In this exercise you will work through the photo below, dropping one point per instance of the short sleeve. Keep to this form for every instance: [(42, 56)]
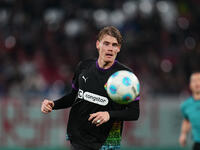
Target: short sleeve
[(183, 111), (75, 80)]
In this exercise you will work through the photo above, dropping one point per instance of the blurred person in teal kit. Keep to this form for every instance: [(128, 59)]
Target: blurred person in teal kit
[(191, 113)]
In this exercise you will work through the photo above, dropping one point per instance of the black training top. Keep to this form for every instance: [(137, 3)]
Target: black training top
[(88, 96)]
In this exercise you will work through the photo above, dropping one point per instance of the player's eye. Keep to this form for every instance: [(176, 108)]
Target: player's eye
[(114, 44), (106, 43)]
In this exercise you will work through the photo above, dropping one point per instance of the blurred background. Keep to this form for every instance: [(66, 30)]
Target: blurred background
[(42, 41)]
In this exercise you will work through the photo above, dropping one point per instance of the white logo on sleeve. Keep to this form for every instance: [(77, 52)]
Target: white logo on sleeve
[(80, 94), (93, 98)]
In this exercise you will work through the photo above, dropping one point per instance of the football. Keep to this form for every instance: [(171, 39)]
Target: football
[(123, 87)]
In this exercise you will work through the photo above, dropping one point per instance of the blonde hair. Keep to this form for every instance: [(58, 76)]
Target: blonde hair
[(112, 31)]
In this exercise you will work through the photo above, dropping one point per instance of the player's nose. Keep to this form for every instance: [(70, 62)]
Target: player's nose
[(110, 48)]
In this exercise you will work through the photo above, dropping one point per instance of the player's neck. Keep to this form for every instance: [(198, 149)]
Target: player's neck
[(104, 65), (196, 96)]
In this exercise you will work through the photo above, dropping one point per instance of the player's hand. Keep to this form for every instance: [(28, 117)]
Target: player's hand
[(99, 118), (182, 139), (47, 106)]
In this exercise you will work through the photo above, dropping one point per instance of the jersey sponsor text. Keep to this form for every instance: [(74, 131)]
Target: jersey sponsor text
[(93, 98)]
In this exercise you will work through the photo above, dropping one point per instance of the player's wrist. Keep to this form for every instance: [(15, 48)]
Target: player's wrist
[(53, 104), (108, 115)]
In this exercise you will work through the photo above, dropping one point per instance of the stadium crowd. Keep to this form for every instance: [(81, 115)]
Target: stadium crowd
[(42, 41)]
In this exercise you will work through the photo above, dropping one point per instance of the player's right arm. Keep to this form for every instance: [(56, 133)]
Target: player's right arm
[(185, 128), (64, 102)]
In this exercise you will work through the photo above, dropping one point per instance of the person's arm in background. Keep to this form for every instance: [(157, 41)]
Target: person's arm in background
[(185, 128)]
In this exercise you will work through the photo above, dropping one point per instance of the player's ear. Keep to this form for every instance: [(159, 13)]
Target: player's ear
[(118, 48), (97, 44)]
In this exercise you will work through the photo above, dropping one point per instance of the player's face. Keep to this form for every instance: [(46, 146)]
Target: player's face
[(195, 83), (108, 48)]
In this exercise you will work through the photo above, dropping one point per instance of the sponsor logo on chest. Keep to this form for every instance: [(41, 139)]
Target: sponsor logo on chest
[(93, 98)]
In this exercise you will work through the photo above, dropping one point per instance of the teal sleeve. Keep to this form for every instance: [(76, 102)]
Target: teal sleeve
[(183, 111)]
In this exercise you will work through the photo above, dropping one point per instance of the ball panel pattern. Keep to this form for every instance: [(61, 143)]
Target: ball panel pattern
[(113, 89), (127, 97), (126, 81)]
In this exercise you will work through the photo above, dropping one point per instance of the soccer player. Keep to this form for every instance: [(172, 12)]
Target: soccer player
[(191, 112), (95, 121)]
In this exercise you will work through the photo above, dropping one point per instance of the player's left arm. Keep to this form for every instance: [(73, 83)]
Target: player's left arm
[(130, 113)]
